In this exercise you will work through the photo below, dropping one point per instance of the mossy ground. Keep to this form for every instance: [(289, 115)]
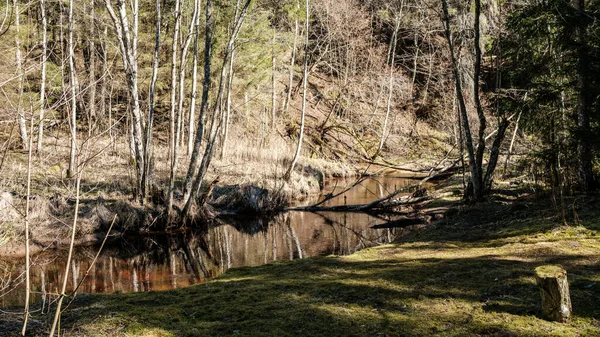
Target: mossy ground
[(472, 274)]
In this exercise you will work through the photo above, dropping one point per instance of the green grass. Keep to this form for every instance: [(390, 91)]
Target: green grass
[(470, 275)]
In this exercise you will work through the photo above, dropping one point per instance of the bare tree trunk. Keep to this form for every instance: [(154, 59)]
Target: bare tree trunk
[(175, 144), (391, 86), (459, 93), (146, 178), (27, 260), (92, 71), (103, 89), (216, 125), (228, 104), (477, 179), (172, 139), (127, 41), (69, 257), (192, 117), (21, 74), (73, 87), (195, 159), (273, 84), (292, 62), (43, 79), (512, 142), (288, 174)]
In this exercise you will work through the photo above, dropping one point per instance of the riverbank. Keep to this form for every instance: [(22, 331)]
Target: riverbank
[(471, 274), (250, 183)]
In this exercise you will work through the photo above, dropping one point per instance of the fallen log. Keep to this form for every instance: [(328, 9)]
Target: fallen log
[(385, 202), (400, 223)]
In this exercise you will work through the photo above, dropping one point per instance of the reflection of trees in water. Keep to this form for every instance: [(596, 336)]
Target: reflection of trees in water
[(160, 262)]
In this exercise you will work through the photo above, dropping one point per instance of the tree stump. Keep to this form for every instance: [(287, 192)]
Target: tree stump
[(554, 290)]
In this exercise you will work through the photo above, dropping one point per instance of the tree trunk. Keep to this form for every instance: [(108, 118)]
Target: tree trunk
[(27, 258), (21, 74), (584, 150), (146, 177), (105, 77), (69, 257), (477, 179), (192, 117), (216, 125), (73, 87), (288, 174), (292, 62), (554, 290), (92, 70), (195, 159), (228, 105), (391, 86), (127, 42), (173, 140), (512, 142), (273, 84), (40, 135)]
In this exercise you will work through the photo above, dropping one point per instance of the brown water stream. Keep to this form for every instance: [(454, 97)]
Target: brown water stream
[(164, 262)]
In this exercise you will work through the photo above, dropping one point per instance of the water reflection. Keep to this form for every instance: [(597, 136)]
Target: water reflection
[(161, 262)]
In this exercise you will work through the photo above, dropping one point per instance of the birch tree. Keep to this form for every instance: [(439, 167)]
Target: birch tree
[(127, 42), (192, 113), (146, 178), (179, 111), (173, 140), (21, 76), (391, 80), (192, 191), (288, 174)]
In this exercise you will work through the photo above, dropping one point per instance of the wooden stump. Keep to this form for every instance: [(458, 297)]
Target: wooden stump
[(554, 289)]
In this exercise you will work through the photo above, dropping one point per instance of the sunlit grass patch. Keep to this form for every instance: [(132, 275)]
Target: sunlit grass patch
[(434, 285)]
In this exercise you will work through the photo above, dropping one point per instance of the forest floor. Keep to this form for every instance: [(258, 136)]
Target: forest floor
[(471, 274)]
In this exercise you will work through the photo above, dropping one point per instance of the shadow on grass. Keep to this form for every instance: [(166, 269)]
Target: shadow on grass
[(484, 296), (489, 224)]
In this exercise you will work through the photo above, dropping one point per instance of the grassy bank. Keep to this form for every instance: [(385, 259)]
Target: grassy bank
[(470, 275)]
